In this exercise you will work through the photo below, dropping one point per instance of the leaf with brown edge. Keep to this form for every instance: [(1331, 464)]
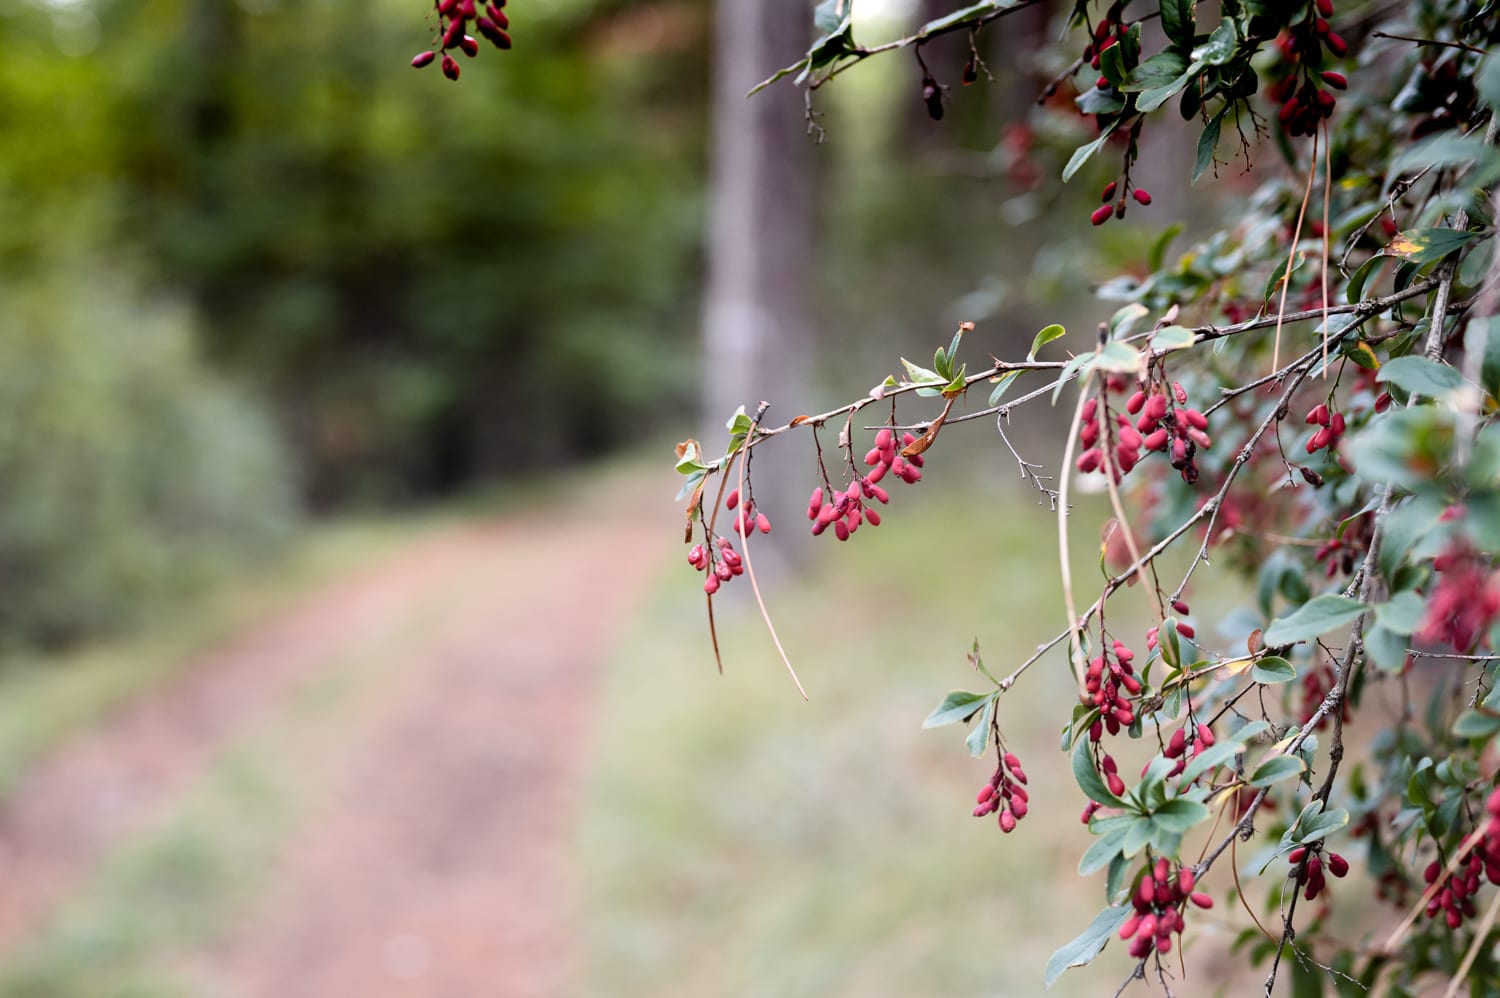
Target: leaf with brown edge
[(923, 442), (692, 510), (799, 420)]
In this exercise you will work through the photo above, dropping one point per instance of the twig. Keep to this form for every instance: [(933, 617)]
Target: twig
[(1286, 277), (1075, 627), (1427, 41), (741, 522)]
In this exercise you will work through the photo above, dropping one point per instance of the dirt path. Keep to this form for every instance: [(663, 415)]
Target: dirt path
[(436, 863)]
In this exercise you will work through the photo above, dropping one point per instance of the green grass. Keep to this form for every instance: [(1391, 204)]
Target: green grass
[(739, 841)]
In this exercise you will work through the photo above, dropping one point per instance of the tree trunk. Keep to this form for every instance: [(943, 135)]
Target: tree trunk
[(757, 336)]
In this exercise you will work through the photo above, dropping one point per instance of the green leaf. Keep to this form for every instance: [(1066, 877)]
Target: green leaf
[(1172, 338), (1150, 100), (959, 16), (1179, 815), (1088, 778), (956, 706), (919, 375), (827, 16), (1160, 69), (1487, 80), (1123, 321), (1318, 615), (1081, 951), (1208, 142), (1220, 47), (1403, 613), (1118, 358), (1356, 287), (1047, 335), (1082, 154), (979, 736), (1074, 365), (1422, 246), (1317, 824), (1420, 375), (1103, 850), (1211, 758), (1002, 385), (1177, 22), (1272, 669), (1474, 724), (1276, 769)]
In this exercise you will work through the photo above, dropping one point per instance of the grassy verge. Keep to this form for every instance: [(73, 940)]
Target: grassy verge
[(740, 841)]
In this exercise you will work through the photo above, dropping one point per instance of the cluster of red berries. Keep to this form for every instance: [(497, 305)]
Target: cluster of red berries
[(1112, 205), (1126, 445), (1005, 792), (1181, 436), (1311, 875), (1109, 685), (1163, 422), (1158, 902), (883, 457), (1330, 429), (725, 563), (1455, 897), (1465, 602), (453, 20), (845, 511), (1304, 106)]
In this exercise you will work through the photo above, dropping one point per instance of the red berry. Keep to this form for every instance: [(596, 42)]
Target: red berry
[(1108, 193), (1337, 81), (1101, 215), (762, 523), (1141, 197), (450, 67), (1202, 900), (423, 59), (732, 500)]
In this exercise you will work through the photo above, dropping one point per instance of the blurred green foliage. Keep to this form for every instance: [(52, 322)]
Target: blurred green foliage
[(128, 472), (435, 282)]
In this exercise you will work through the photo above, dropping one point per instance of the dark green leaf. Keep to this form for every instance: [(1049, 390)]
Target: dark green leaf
[(969, 13), (1103, 850), (1177, 22), (1208, 141), (1212, 757), (1220, 47)]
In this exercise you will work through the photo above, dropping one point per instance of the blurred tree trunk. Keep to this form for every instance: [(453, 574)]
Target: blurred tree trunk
[(757, 335)]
